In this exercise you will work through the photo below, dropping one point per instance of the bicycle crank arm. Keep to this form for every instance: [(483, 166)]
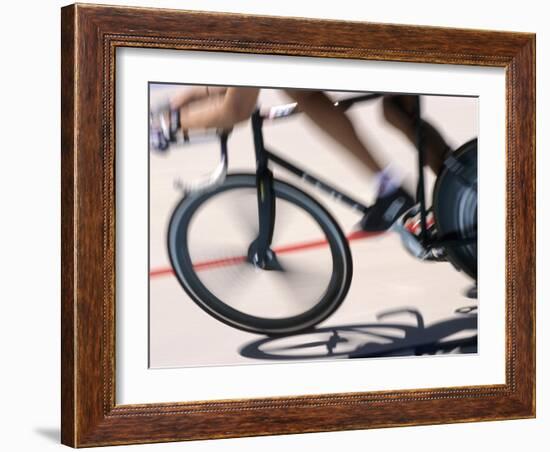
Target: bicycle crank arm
[(410, 241)]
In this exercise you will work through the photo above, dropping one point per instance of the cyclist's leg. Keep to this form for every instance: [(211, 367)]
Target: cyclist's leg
[(391, 199), (321, 110), (188, 95), (221, 111), (399, 111)]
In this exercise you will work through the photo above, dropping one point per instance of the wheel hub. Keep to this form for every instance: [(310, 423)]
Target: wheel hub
[(267, 261)]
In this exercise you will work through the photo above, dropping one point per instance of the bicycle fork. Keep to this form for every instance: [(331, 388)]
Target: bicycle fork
[(260, 252)]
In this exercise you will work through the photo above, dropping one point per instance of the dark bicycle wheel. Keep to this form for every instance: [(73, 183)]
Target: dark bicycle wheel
[(209, 239), (455, 207)]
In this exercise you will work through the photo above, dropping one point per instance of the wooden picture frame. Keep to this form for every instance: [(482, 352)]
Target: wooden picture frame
[(90, 37)]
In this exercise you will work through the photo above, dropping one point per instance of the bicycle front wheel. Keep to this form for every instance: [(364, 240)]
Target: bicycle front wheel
[(209, 240)]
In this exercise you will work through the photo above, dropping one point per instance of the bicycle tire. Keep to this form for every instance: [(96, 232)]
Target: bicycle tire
[(455, 207), (178, 250)]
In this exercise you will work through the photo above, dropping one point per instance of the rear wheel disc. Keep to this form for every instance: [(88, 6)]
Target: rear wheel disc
[(455, 208)]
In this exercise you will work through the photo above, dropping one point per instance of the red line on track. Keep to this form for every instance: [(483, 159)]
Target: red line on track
[(358, 235)]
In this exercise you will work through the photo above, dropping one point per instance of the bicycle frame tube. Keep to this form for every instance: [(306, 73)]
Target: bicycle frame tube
[(420, 190), (344, 104), (266, 197), (327, 188)]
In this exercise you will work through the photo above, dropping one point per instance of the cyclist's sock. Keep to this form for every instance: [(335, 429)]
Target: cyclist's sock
[(387, 182)]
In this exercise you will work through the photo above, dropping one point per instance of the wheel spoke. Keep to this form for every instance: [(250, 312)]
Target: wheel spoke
[(286, 219), (227, 284), (303, 281), (242, 211)]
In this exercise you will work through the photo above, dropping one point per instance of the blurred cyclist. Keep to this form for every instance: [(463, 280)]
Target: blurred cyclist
[(203, 107)]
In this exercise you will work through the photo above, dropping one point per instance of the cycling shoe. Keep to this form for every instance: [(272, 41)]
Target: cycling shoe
[(386, 210)]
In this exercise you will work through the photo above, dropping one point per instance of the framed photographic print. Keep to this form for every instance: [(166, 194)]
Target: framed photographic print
[(271, 225)]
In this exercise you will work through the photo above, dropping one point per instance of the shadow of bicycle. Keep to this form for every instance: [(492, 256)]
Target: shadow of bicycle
[(457, 335)]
